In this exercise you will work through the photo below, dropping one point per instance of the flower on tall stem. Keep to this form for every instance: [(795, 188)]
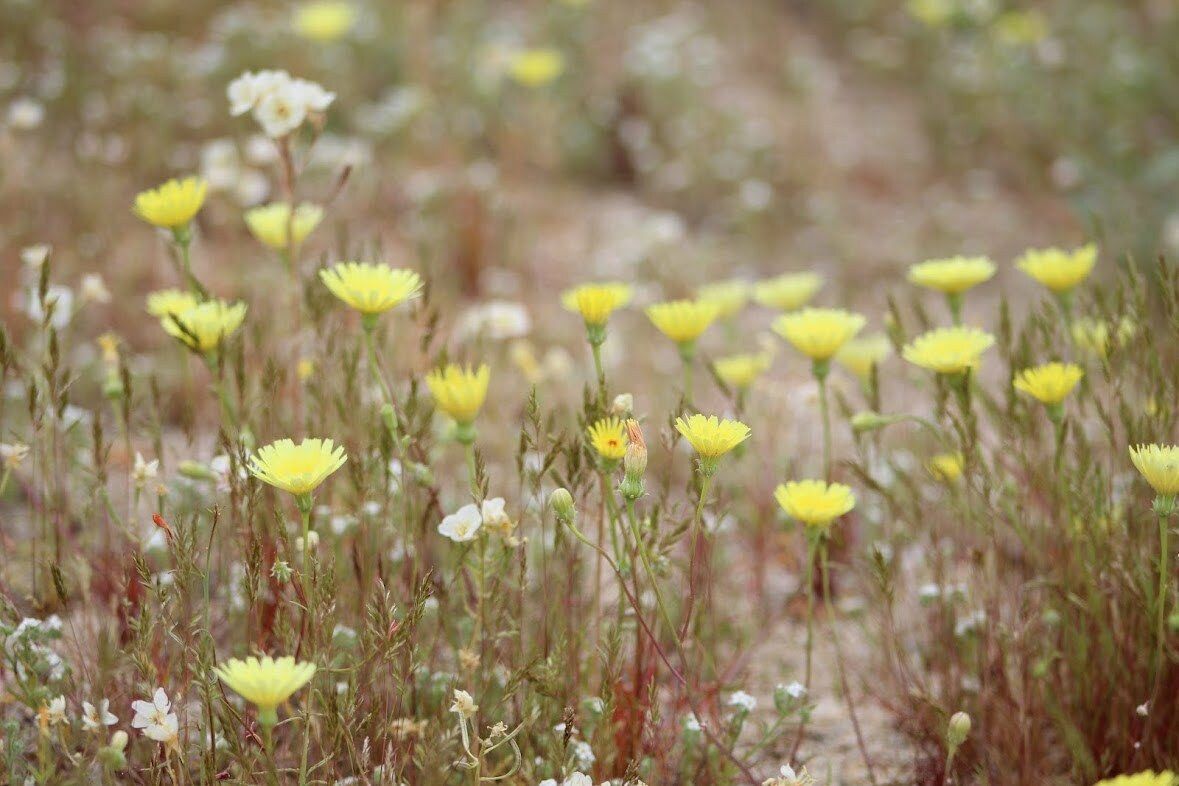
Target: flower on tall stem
[(157, 720), (741, 371), (275, 227), (298, 469), (266, 682), (173, 204), (163, 302), (789, 291), (1159, 465), (684, 321), (1050, 384), (711, 437), (952, 277), (460, 392), (1060, 271), (371, 289), (815, 503), (595, 303), (950, 351), (204, 327)]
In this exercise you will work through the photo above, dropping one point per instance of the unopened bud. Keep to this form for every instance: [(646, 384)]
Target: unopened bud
[(561, 501), (634, 462), (119, 740), (870, 421), (958, 730), (196, 471)]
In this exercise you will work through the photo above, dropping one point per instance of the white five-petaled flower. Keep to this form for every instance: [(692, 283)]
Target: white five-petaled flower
[(96, 718), (578, 779), (157, 720), (55, 712), (13, 455), (464, 704), (795, 690), (462, 525), (144, 470), (280, 103)]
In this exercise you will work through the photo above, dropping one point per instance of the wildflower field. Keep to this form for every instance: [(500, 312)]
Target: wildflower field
[(575, 392)]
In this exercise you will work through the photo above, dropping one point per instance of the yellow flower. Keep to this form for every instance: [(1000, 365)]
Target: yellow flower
[(789, 291), (369, 288), (1021, 28), (458, 391), (815, 502), (170, 301), (931, 13), (1146, 778), (324, 21), (1159, 464), (536, 67), (859, 355), (946, 467), (304, 369), (300, 468), (608, 438), (173, 204), (952, 276), (109, 344), (739, 371), (728, 296), (273, 225), (682, 320), (948, 350), (819, 333), (1050, 383), (711, 437), (596, 302), (1059, 270), (1093, 335), (204, 326), (266, 683)]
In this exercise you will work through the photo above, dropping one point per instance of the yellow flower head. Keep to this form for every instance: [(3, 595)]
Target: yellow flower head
[(324, 20), (300, 468), (536, 67), (946, 467), (710, 436), (739, 371), (789, 291), (170, 301), (1059, 270), (204, 326), (1159, 464), (458, 391), (859, 355), (274, 227), (266, 683), (1146, 778), (173, 204), (1094, 335), (608, 436), (728, 296), (952, 276), (819, 333), (815, 503), (1021, 28), (596, 302), (682, 320), (371, 288), (1050, 383), (948, 350)]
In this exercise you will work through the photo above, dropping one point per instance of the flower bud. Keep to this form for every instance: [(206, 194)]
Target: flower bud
[(634, 462), (958, 730), (119, 740), (868, 420), (623, 406), (196, 471), (561, 501)]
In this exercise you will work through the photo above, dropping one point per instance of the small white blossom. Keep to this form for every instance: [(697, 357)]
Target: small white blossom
[(13, 455), (25, 114), (96, 718), (144, 470), (464, 704), (55, 712), (583, 754), (157, 720), (463, 525), (743, 701)]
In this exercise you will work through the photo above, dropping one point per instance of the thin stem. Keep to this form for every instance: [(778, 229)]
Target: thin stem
[(472, 470), (373, 367), (1164, 536), (825, 412), (811, 550), (596, 349), (705, 484)]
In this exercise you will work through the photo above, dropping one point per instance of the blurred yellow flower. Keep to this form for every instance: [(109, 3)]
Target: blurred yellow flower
[(682, 320), (608, 438), (1059, 270), (1094, 335), (948, 350), (712, 437), (931, 13), (952, 276), (173, 204), (728, 296), (819, 333), (536, 67), (371, 288), (109, 344), (1145, 778), (1021, 28), (300, 468), (304, 369), (859, 355), (1050, 383), (1159, 464), (596, 302), (946, 467), (740, 371), (170, 301), (204, 326), (325, 20), (789, 291), (459, 392), (273, 225), (815, 502), (265, 683)]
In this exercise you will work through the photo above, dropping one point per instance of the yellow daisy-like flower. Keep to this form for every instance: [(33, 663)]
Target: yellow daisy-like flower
[(952, 276), (1159, 464), (608, 436), (204, 326), (324, 21), (948, 350), (1050, 383), (859, 355), (789, 291), (683, 321), (1146, 778), (819, 333), (596, 302), (300, 468), (740, 371), (371, 288), (265, 683), (815, 503), (946, 467), (1059, 270), (170, 301), (728, 296), (712, 437), (173, 204), (458, 391), (536, 67), (274, 226)]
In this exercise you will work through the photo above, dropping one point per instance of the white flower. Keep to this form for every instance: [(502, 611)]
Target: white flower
[(498, 320), (144, 470), (795, 690), (281, 110), (692, 723), (35, 256), (548, 782), (242, 93), (59, 299), (315, 98), (25, 114), (583, 754), (13, 455), (95, 718), (464, 705), (55, 713), (156, 719), (463, 525), (93, 288), (743, 701), (578, 779)]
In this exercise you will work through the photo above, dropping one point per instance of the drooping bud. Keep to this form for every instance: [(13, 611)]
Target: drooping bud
[(634, 463), (561, 501), (958, 730)]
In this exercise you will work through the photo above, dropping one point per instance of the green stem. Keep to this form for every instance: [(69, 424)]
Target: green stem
[(373, 367), (1164, 558), (955, 301), (646, 560), (705, 484), (825, 411), (472, 470), (596, 349)]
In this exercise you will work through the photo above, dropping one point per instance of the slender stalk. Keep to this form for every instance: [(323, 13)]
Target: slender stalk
[(373, 367), (1161, 616), (825, 412), (705, 484), (812, 541), (472, 470), (596, 349)]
